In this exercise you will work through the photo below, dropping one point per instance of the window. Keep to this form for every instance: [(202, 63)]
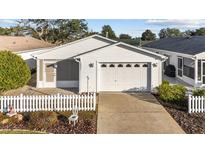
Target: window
[(180, 65), (103, 65), (145, 65), (112, 65), (199, 70), (188, 67), (128, 65), (137, 65), (120, 65)]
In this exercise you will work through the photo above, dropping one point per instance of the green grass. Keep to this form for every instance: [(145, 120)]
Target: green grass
[(20, 132)]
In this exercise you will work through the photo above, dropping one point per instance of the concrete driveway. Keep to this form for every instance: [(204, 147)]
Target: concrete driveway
[(133, 113)]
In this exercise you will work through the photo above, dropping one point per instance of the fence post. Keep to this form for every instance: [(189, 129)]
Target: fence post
[(94, 100), (189, 104), (1, 103), (58, 108), (21, 102)]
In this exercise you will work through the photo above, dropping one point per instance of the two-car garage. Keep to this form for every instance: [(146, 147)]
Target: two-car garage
[(125, 77)]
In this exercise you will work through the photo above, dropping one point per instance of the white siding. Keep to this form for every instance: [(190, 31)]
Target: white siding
[(89, 79)]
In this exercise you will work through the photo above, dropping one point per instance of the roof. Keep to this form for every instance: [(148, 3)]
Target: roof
[(77, 47), (130, 47), (22, 43), (188, 45), (84, 46)]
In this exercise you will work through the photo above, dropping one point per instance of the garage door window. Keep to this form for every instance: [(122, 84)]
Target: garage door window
[(128, 65), (120, 65), (145, 65), (137, 65), (112, 65), (103, 65)]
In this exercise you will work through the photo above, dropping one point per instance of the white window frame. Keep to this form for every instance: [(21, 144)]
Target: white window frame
[(178, 66)]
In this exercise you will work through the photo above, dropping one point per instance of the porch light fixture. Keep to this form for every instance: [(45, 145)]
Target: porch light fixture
[(91, 65)]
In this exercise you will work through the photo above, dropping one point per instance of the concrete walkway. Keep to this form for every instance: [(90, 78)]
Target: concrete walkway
[(133, 113)]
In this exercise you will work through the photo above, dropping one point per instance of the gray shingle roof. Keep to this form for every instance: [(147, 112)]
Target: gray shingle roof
[(188, 45)]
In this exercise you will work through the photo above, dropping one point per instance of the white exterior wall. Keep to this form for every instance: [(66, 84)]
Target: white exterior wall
[(174, 61), (90, 76)]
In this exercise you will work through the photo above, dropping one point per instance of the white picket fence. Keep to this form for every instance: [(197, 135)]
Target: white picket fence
[(57, 102), (196, 104)]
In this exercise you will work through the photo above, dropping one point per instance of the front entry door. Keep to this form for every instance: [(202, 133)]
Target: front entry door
[(50, 75)]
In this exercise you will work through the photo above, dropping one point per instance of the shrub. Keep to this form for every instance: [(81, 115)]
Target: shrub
[(199, 92), (170, 71), (171, 93), (42, 120), (14, 72)]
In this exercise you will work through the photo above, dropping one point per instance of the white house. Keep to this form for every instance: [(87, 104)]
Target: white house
[(96, 63), (187, 54), (24, 46)]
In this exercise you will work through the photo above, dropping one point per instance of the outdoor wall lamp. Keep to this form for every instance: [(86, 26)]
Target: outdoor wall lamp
[(91, 65)]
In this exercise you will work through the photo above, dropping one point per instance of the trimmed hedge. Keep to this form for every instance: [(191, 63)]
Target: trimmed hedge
[(14, 72), (171, 93)]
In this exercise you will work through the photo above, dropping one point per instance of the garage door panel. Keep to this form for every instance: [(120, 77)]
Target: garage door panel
[(108, 78), (127, 77)]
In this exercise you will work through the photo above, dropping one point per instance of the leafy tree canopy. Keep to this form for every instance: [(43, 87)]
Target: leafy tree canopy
[(169, 32), (107, 30), (55, 30), (148, 35), (125, 36)]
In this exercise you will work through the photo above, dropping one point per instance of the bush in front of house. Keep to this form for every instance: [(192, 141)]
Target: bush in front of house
[(42, 120), (170, 71), (14, 72), (171, 93), (199, 92)]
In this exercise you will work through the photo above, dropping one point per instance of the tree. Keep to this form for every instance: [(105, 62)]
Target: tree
[(169, 32), (125, 36), (107, 30), (148, 35), (55, 30), (14, 72), (199, 32)]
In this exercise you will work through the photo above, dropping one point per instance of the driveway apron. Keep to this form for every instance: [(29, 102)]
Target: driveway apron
[(121, 113)]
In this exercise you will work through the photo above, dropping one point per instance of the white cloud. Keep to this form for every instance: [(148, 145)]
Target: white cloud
[(177, 22)]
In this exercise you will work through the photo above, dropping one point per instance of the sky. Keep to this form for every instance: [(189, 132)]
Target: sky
[(133, 27)]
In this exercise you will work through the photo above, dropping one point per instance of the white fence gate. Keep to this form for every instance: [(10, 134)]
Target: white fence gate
[(196, 104), (57, 102)]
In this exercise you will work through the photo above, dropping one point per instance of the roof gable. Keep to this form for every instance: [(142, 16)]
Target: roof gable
[(128, 47), (187, 45), (72, 49)]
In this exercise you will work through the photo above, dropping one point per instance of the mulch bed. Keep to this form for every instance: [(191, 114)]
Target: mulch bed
[(83, 126), (193, 123)]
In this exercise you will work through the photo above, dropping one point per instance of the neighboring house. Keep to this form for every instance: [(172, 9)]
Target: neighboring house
[(96, 64), (187, 54), (24, 46)]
